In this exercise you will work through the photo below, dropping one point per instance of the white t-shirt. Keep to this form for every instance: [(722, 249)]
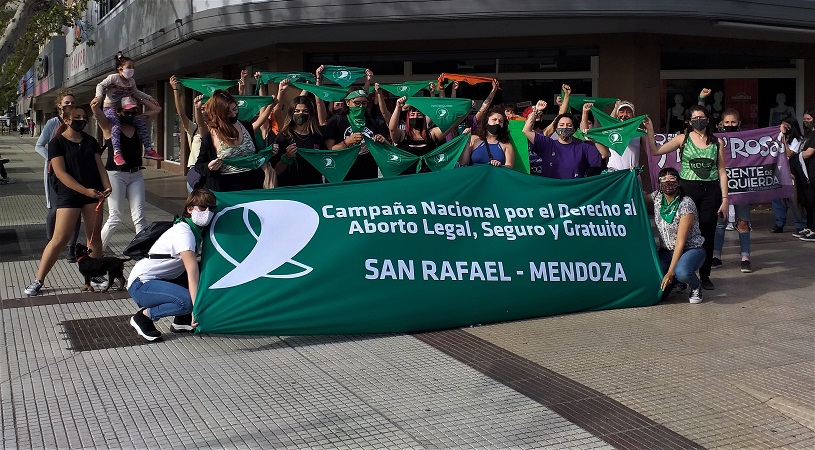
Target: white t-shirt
[(177, 239), (630, 157)]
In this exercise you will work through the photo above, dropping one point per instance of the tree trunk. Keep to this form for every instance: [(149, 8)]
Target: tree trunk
[(26, 9)]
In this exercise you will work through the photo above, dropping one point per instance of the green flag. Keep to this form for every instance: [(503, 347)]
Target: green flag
[(617, 137), (391, 160), (333, 164), (343, 75), (444, 112), (577, 101), (277, 77), (207, 86), (438, 251), (445, 156), (601, 119), (356, 117), (325, 93), (249, 105), (521, 145), (406, 89), (254, 161)]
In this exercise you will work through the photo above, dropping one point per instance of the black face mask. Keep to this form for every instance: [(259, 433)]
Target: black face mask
[(233, 120), (493, 129), (299, 119), (126, 119), (78, 125), (416, 123), (730, 128), (699, 124)]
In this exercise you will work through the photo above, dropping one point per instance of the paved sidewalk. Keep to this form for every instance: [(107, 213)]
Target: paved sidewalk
[(737, 371)]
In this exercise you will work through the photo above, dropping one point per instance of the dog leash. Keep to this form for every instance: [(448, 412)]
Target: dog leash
[(96, 217)]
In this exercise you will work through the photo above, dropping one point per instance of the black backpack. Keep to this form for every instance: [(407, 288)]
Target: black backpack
[(139, 247)]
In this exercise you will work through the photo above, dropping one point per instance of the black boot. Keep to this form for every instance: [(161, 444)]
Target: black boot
[(71, 258)]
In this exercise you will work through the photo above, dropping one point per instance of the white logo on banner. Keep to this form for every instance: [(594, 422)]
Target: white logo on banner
[(280, 239), (340, 74), (615, 138)]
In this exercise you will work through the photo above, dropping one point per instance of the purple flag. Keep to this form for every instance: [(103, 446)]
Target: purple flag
[(757, 168)]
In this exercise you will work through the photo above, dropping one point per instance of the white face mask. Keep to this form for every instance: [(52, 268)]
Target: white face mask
[(201, 218), (128, 73)]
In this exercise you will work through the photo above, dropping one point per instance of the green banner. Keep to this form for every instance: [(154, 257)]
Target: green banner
[(435, 251), (325, 93), (408, 88), (392, 161), (356, 117), (601, 119), (444, 112), (207, 86), (277, 77), (254, 161), (343, 75), (617, 137), (249, 105), (333, 164), (521, 144), (577, 101)]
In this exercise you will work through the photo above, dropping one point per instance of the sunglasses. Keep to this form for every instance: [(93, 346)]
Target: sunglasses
[(359, 103), (204, 207)]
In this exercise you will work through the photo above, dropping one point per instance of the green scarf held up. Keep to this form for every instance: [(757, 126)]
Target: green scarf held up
[(196, 230), (343, 75), (249, 105), (617, 137), (393, 161), (333, 164), (325, 93), (251, 162), (277, 77), (577, 101), (601, 119), (445, 156), (444, 112), (521, 145), (668, 210), (407, 88), (207, 86)]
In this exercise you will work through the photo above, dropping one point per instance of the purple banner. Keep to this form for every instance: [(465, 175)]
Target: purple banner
[(757, 168)]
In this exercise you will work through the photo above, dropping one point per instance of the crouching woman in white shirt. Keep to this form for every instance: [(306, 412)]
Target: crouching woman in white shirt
[(157, 284)]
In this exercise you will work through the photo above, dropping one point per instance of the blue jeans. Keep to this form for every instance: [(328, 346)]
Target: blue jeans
[(685, 270), (162, 298), (742, 214), (780, 211)]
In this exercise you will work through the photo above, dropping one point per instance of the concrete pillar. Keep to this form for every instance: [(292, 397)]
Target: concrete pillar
[(809, 84)]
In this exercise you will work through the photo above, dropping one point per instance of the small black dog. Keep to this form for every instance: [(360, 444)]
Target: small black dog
[(97, 267)]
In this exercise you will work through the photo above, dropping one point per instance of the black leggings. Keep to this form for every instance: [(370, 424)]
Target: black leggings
[(707, 195)]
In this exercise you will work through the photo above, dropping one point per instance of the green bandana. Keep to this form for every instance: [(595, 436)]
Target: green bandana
[(248, 105), (444, 112), (393, 161), (520, 144), (577, 101), (207, 86), (325, 93), (601, 119), (333, 164), (251, 162), (668, 210), (277, 77), (445, 156), (356, 117), (196, 230), (343, 75), (617, 137), (406, 89)]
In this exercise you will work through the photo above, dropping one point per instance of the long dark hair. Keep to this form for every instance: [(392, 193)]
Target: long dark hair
[(709, 129), (313, 123), (795, 128), (503, 131), (671, 171), (67, 112)]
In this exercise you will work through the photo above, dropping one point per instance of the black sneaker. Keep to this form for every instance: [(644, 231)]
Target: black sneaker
[(777, 229), (746, 267), (182, 324), (707, 284), (144, 326), (716, 263), (71, 257)]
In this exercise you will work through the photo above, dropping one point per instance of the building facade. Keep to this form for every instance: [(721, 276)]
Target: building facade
[(757, 56)]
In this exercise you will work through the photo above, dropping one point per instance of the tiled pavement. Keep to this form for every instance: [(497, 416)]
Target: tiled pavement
[(737, 371)]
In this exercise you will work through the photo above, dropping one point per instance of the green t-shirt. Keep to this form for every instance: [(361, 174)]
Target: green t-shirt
[(699, 164)]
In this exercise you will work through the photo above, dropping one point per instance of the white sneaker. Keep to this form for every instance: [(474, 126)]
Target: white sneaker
[(803, 233), (33, 288), (695, 295), (729, 226)]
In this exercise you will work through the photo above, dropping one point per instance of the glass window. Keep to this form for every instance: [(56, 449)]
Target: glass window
[(172, 125)]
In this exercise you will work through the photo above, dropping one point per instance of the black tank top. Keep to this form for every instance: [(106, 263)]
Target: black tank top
[(132, 150)]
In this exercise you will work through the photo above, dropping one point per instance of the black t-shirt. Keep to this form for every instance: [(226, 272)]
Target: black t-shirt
[(80, 162), (418, 147), (131, 151), (339, 128), (301, 172)]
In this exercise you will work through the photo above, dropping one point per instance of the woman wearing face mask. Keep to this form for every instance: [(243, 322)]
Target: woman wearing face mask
[(703, 174), (416, 138), (565, 157), (227, 138), (490, 143), (81, 181), (301, 129), (790, 135), (166, 284), (806, 186), (49, 131), (680, 241)]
